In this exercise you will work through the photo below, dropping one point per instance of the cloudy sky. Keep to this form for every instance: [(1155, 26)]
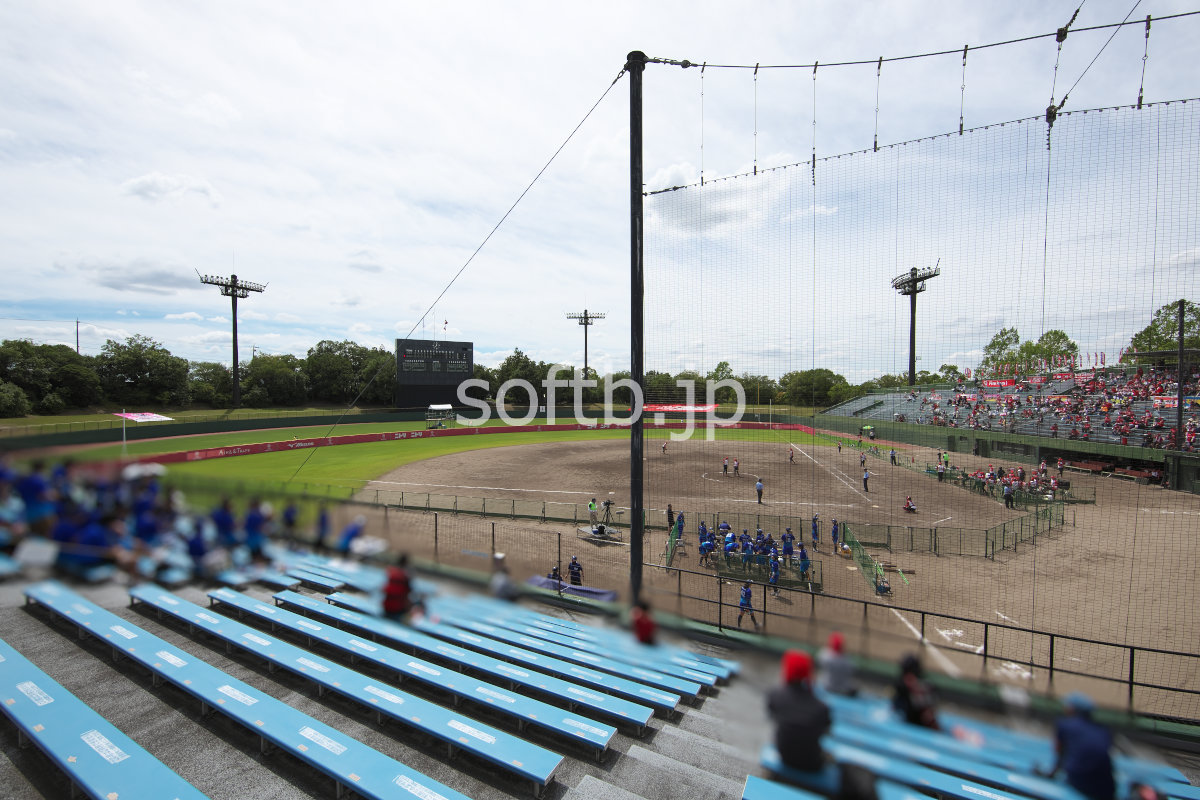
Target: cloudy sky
[(353, 156)]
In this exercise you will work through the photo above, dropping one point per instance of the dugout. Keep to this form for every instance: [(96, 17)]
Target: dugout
[(440, 415)]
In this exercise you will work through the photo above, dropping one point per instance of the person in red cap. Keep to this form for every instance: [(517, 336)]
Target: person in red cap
[(800, 718), (836, 671)]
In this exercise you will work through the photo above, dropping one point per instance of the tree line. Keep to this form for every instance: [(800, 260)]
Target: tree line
[(140, 373)]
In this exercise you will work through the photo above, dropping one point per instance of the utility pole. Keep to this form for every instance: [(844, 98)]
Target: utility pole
[(636, 65), (912, 283), (233, 288), (586, 319)]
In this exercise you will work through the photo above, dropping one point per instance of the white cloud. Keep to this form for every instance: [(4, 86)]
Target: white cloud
[(156, 186), (285, 317), (186, 315), (212, 109), (217, 319)]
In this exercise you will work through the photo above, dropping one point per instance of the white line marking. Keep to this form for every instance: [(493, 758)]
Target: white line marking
[(940, 521), (834, 471), (948, 666), (1007, 619)]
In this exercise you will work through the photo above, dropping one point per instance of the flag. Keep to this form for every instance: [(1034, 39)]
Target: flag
[(1102, 359), (968, 373), (445, 322)]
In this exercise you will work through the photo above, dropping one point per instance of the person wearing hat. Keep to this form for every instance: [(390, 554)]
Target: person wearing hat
[(592, 512), (800, 718), (397, 592), (913, 699), (746, 604), (575, 571), (835, 673), (788, 541), (1082, 746)]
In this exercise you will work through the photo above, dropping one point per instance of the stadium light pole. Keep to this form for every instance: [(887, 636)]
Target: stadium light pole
[(586, 319), (233, 288), (912, 283)]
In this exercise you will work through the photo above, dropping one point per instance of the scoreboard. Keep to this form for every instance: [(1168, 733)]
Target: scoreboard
[(429, 371)]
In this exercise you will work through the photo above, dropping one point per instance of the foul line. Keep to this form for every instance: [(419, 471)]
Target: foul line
[(832, 471), (948, 666)]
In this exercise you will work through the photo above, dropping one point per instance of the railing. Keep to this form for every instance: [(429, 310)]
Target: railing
[(1145, 680)]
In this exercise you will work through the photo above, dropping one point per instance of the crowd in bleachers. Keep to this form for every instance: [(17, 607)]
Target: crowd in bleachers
[(1122, 408), (98, 524)]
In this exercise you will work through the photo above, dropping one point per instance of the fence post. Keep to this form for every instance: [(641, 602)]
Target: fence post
[(493, 540), (679, 592), (1050, 678), (543, 511), (986, 629), (558, 535), (514, 510), (1132, 652), (435, 538), (720, 602)]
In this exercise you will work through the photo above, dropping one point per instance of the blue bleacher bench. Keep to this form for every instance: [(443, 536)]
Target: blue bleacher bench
[(646, 676), (319, 582), (757, 788), (515, 755), (524, 710), (618, 654), (95, 755), (564, 690), (882, 766), (605, 682), (349, 762), (723, 668)]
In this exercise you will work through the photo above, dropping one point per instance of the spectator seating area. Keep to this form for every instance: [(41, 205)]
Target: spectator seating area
[(525, 695)]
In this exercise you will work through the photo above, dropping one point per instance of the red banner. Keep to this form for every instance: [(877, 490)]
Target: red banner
[(997, 382), (1064, 376), (1084, 376), (678, 407), (1036, 380)]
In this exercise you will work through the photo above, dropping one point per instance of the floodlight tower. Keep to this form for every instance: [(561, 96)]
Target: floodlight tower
[(586, 319), (233, 288), (912, 283)]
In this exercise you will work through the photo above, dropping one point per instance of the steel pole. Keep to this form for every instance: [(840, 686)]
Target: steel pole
[(636, 65), (237, 383), (912, 339)]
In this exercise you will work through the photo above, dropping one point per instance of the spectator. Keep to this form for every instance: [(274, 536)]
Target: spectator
[(501, 585), (644, 628), (1082, 748), (913, 698), (350, 533), (397, 592), (835, 670), (800, 718)]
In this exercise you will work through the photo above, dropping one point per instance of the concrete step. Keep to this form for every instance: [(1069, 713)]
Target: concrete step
[(653, 775)]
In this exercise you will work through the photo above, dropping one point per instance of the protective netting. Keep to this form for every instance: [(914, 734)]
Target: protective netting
[(1087, 228)]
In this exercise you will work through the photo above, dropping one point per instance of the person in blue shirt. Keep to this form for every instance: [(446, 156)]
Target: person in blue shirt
[(747, 554), (787, 539), (254, 525), (746, 604), (706, 548), (833, 534), (575, 571), (679, 526), (223, 521), (290, 514), (350, 533), (816, 530), (758, 487), (774, 579), (805, 564), (322, 531), (1082, 746)]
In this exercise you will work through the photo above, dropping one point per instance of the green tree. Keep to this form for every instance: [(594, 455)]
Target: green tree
[(211, 383), (140, 371), (810, 387), (334, 370), (950, 373), (723, 372), (1049, 348), (1163, 331), (42, 369), (13, 402), (1002, 349), (759, 389), (280, 379), (378, 375)]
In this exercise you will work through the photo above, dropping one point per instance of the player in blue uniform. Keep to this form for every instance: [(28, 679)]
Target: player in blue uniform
[(745, 604), (575, 571), (805, 564), (816, 530), (787, 539), (774, 579), (747, 553), (833, 534)]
